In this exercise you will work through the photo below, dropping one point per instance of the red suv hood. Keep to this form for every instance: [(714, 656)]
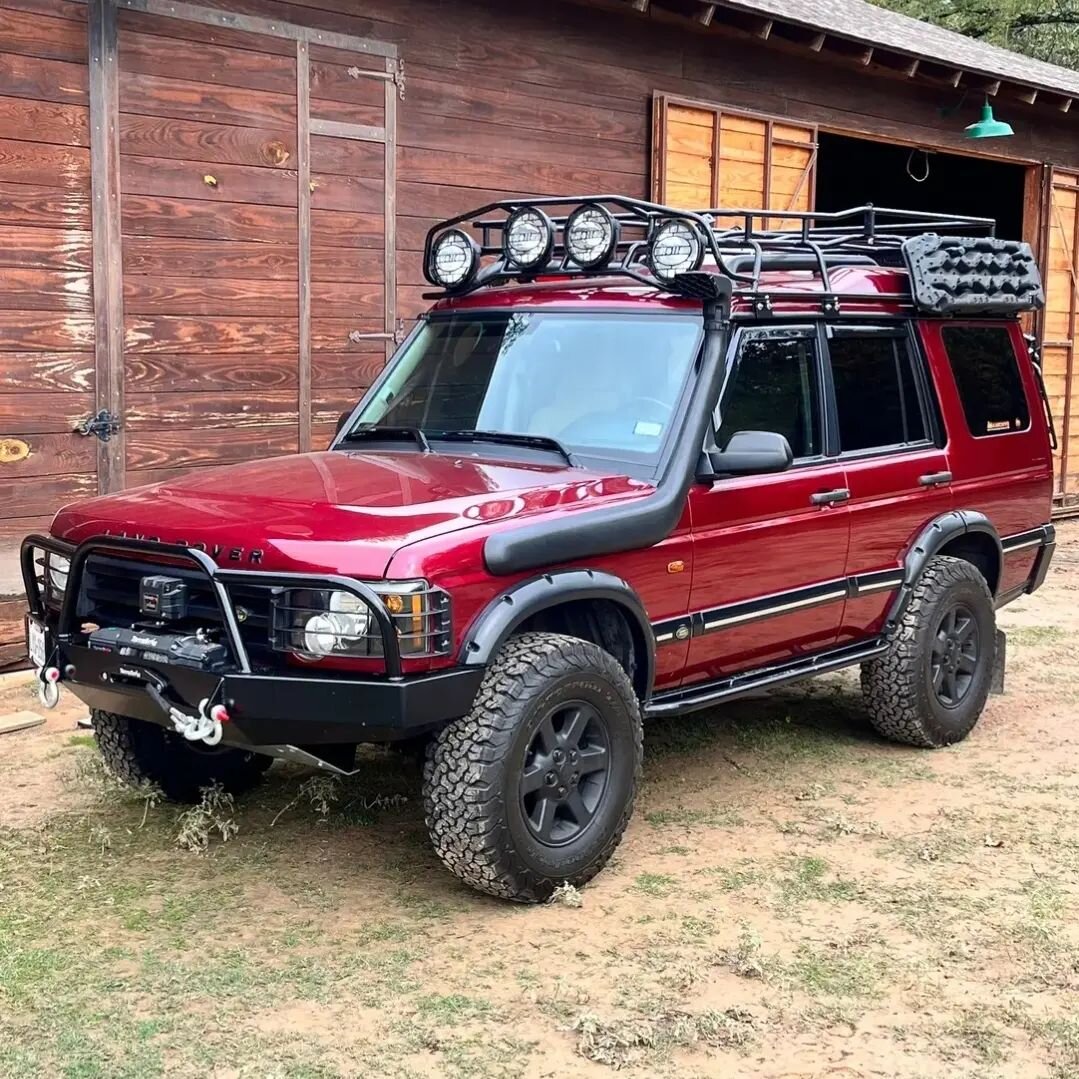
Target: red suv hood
[(342, 512)]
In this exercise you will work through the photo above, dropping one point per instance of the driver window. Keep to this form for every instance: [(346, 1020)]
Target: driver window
[(775, 386)]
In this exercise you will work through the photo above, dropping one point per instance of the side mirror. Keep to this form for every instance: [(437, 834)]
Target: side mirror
[(750, 453), (341, 421)]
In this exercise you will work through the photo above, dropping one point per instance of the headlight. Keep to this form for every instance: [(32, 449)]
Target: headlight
[(676, 248), (57, 568), (528, 239), (454, 259), (317, 622), (342, 629), (591, 236)]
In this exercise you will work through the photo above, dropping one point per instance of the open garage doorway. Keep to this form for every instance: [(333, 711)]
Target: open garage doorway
[(852, 172)]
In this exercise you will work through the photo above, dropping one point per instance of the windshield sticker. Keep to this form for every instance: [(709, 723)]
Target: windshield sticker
[(648, 429)]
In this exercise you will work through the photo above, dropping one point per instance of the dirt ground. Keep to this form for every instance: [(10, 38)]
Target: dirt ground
[(794, 898)]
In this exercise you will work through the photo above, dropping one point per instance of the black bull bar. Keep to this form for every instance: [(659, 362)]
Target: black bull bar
[(265, 708)]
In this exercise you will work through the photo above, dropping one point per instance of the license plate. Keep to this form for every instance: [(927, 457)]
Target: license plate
[(35, 641)]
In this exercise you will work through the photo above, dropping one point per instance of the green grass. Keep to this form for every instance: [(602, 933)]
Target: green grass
[(654, 884)]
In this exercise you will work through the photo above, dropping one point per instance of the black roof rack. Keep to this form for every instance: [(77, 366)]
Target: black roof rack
[(955, 263)]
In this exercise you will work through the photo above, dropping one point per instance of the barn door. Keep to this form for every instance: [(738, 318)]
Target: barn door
[(707, 156), (256, 186), (1059, 325)]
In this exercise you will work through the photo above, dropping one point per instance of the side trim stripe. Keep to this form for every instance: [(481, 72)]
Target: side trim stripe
[(698, 623)]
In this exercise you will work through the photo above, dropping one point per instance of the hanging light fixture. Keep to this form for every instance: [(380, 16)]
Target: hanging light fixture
[(988, 127)]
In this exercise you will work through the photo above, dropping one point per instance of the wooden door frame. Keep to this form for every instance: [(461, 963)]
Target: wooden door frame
[(107, 239)]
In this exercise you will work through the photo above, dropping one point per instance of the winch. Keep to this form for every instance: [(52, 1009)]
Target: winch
[(197, 651)]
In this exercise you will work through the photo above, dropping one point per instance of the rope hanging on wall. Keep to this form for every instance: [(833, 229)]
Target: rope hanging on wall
[(910, 166)]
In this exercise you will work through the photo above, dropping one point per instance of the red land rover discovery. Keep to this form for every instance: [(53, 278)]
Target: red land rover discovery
[(635, 461)]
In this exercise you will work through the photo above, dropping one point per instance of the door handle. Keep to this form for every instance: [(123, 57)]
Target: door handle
[(935, 479), (827, 498)]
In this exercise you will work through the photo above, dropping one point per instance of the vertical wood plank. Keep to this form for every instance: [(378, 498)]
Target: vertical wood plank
[(390, 224), (717, 155), (303, 218), (108, 272)]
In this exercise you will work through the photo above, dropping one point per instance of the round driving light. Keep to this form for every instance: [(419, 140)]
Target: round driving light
[(320, 635), (676, 249), (591, 236), (528, 239), (454, 259)]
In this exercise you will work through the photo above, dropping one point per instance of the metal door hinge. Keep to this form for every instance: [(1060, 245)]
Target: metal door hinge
[(399, 331), (104, 425), (399, 78)]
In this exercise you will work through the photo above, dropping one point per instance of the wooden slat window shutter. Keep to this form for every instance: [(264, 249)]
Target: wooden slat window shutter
[(1059, 325), (708, 156)]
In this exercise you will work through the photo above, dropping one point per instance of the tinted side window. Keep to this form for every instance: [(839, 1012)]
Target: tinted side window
[(775, 387), (987, 375), (876, 395)]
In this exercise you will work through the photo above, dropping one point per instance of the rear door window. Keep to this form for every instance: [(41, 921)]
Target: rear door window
[(986, 374), (878, 404), (775, 386)]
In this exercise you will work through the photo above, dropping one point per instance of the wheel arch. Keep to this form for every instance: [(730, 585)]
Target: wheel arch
[(582, 599), (966, 534)]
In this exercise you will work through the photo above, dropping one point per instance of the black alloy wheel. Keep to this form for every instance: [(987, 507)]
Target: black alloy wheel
[(565, 773), (955, 653)]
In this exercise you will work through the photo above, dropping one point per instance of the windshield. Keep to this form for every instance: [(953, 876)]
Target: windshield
[(602, 385)]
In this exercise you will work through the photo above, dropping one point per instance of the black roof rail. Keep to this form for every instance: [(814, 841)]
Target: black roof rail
[(743, 244)]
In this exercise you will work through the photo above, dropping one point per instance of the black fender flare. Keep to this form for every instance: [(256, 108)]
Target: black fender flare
[(495, 624), (931, 539)]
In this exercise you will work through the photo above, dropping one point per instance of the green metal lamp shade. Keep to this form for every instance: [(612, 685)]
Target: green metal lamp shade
[(987, 127)]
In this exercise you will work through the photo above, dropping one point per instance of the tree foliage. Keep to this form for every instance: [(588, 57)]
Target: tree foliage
[(1046, 29)]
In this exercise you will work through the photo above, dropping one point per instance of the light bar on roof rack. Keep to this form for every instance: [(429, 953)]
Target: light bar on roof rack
[(664, 247)]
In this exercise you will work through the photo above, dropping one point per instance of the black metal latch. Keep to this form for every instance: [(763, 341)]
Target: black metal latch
[(104, 425)]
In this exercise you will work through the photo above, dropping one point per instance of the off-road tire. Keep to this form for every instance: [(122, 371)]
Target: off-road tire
[(138, 753), (897, 686), (471, 775)]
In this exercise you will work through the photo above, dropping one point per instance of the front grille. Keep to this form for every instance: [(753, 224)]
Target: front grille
[(109, 596)]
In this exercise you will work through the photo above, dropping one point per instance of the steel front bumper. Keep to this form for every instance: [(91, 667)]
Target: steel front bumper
[(264, 708), (273, 709)]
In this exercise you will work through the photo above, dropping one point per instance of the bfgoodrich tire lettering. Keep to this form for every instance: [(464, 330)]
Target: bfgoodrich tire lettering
[(899, 685), (138, 752), (472, 795)]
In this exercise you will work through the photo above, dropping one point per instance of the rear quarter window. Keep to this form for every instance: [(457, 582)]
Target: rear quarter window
[(986, 373)]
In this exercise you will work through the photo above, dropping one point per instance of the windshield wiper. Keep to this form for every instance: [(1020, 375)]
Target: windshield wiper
[(375, 430), (509, 438)]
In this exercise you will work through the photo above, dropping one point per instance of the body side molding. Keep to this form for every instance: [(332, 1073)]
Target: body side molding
[(503, 615)]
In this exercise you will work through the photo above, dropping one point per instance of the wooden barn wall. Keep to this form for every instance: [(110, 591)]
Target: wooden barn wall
[(46, 318), (534, 97)]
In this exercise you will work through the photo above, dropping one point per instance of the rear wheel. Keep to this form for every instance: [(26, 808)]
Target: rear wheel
[(138, 752), (536, 784), (930, 687)]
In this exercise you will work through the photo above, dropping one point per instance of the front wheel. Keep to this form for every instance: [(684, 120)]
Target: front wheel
[(930, 687), (137, 753), (535, 786)]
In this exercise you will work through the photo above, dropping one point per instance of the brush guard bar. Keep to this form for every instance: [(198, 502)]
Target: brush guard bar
[(219, 579)]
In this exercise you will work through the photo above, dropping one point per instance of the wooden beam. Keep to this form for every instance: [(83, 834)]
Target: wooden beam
[(706, 14), (992, 88), (956, 77), (1065, 104), (912, 68), (640, 5), (866, 57), (303, 238), (1028, 96), (817, 42), (764, 30), (108, 268)]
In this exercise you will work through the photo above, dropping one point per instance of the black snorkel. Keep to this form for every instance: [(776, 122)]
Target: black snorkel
[(641, 522)]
